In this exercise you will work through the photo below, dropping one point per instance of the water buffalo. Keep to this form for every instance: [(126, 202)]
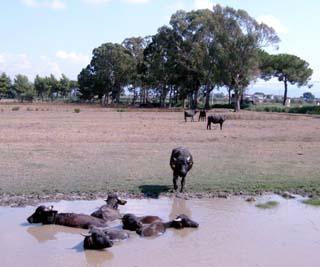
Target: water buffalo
[(158, 227), (181, 162), (215, 119), (189, 114), (46, 215), (100, 238), (132, 222), (109, 211), (202, 115), (183, 221)]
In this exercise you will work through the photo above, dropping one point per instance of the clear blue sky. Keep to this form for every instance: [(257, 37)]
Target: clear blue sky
[(58, 36)]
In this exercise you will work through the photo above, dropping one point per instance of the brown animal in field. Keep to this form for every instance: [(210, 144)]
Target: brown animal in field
[(109, 211), (46, 215), (215, 119), (189, 114)]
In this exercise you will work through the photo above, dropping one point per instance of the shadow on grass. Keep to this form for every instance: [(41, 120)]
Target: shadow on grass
[(150, 190)]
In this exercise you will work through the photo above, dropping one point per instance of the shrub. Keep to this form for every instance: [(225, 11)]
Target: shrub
[(121, 110), (15, 108), (29, 109), (77, 110)]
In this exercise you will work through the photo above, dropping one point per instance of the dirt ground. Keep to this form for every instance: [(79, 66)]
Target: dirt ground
[(47, 149)]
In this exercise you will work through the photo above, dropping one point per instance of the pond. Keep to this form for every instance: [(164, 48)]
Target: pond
[(232, 232)]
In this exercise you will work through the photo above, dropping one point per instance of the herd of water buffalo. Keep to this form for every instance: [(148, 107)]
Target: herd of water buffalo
[(101, 236), (214, 119)]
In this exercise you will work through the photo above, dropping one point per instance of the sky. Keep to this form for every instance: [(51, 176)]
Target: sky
[(58, 36)]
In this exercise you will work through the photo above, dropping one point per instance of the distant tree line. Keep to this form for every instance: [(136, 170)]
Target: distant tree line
[(43, 88), (199, 51)]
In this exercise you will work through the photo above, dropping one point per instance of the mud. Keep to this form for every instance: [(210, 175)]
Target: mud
[(232, 232)]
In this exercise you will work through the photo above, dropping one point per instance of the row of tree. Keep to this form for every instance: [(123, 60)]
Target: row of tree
[(199, 51), (42, 87)]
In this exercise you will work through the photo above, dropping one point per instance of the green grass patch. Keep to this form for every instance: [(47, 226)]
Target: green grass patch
[(312, 201), (267, 205)]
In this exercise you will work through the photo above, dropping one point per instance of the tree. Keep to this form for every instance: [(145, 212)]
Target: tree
[(308, 96), (5, 85), (42, 86), (287, 69), (23, 87), (109, 71), (64, 85), (136, 47), (239, 38)]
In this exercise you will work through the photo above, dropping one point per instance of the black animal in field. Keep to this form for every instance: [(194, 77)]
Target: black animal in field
[(215, 119), (181, 162), (202, 115)]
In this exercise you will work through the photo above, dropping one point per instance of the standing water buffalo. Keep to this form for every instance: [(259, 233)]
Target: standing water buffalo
[(215, 119), (181, 162), (109, 211), (189, 114), (202, 115), (47, 215)]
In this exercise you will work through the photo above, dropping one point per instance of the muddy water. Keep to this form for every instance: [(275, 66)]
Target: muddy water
[(232, 232)]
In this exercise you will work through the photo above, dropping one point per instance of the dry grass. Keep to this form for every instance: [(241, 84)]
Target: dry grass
[(101, 149)]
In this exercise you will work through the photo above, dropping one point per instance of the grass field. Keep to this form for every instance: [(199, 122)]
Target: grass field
[(51, 148)]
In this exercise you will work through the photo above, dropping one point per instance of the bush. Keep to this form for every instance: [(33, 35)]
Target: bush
[(121, 110), (305, 110), (77, 110), (15, 108), (29, 109)]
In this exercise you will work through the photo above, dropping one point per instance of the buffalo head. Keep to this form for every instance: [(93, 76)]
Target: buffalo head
[(43, 214)]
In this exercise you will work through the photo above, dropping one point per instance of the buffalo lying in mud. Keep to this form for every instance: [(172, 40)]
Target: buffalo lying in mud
[(189, 114), (215, 119), (132, 222), (47, 215), (100, 238), (153, 225), (181, 162), (109, 211)]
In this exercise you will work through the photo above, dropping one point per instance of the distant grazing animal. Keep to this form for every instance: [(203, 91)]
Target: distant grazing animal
[(100, 238), (189, 114), (47, 215), (181, 162), (215, 119), (109, 211), (132, 222), (202, 115)]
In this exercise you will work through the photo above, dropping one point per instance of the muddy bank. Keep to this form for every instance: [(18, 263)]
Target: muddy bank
[(33, 199), (232, 232)]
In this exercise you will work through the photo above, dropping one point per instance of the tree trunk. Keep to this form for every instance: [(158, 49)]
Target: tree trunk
[(195, 99), (285, 91), (208, 91), (229, 96), (236, 101)]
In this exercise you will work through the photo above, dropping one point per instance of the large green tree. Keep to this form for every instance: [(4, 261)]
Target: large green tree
[(109, 71), (240, 38), (287, 69)]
